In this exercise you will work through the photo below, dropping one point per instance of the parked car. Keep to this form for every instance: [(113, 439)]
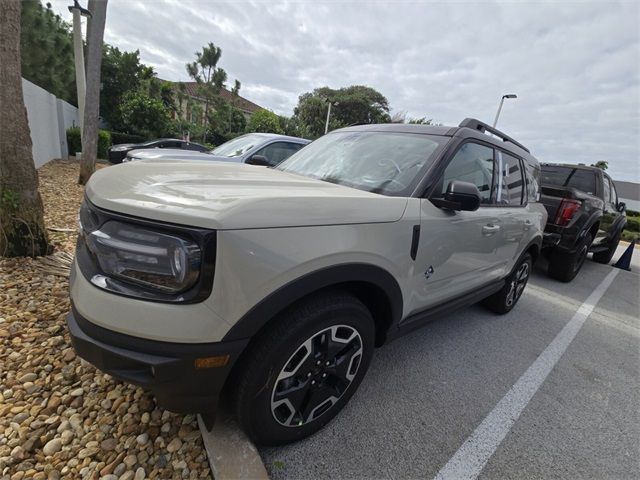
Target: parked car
[(584, 215), (267, 149), (118, 152), (274, 285)]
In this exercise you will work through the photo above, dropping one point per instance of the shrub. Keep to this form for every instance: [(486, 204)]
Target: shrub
[(74, 142), (104, 142), (633, 224), (264, 121), (119, 137)]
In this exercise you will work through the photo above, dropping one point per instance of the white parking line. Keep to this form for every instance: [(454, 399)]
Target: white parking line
[(475, 452)]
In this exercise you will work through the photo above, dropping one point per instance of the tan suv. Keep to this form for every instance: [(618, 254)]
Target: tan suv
[(274, 286)]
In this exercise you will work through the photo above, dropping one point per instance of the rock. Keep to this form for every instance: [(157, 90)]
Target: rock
[(109, 476), (179, 465), (28, 377), (140, 474), (109, 444), (66, 437), (87, 453), (65, 425), (120, 469), (18, 453), (145, 418), (174, 445), (78, 392), (29, 387), (52, 446), (142, 439), (130, 460), (68, 355), (128, 475)]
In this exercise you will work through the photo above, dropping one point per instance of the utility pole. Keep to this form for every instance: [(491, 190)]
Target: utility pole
[(78, 54)]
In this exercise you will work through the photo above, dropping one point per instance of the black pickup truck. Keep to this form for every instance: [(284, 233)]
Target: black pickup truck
[(584, 215)]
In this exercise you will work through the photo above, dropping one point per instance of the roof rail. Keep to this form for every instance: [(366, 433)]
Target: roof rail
[(474, 124)]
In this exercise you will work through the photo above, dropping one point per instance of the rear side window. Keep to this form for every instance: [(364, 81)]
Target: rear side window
[(509, 188), (472, 163), (533, 181), (279, 151), (578, 178), (607, 190)]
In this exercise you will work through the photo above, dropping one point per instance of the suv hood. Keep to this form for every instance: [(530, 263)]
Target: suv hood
[(228, 196)]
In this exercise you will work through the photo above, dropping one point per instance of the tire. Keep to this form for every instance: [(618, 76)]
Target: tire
[(506, 298), (300, 372), (564, 266), (606, 255)]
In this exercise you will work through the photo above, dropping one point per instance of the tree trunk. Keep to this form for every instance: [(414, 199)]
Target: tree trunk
[(22, 231), (95, 32)]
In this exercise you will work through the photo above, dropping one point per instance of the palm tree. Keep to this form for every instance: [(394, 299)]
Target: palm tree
[(22, 231)]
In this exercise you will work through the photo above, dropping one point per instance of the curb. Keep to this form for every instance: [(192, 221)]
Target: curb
[(230, 452)]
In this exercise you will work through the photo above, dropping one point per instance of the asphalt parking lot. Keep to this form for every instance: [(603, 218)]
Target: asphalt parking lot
[(427, 393)]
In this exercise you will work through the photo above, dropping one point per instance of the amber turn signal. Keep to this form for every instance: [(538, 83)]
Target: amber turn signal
[(212, 362)]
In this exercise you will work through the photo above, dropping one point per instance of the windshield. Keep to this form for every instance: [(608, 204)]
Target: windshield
[(578, 178), (238, 146), (378, 162)]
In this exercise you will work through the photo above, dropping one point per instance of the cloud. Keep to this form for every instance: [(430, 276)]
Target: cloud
[(575, 66)]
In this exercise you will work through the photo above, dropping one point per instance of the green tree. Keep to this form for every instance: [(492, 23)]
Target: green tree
[(47, 50), (143, 115), (264, 121), (602, 164), (210, 78), (121, 72), (354, 104)]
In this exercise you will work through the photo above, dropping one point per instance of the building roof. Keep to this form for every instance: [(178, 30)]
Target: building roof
[(628, 190), (191, 89)]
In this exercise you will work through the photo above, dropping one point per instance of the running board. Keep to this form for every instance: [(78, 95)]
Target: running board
[(419, 319)]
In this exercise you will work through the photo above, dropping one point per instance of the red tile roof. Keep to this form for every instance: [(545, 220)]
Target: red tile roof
[(191, 89)]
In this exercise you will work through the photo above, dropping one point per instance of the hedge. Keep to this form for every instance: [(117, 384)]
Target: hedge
[(119, 137), (75, 144)]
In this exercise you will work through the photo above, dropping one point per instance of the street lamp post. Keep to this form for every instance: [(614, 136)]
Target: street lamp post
[(509, 95), (78, 54), (326, 125)]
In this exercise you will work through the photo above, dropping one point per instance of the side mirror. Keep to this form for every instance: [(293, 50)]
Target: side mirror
[(459, 196), (622, 207), (260, 160)]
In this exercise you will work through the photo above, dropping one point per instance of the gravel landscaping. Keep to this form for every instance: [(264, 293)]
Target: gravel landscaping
[(59, 416)]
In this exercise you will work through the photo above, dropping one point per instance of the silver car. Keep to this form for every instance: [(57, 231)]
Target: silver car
[(268, 149)]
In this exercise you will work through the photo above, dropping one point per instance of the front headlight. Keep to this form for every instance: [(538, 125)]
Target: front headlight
[(144, 257), (119, 149)]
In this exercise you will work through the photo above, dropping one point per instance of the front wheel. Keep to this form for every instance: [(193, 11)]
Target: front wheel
[(505, 299), (301, 372)]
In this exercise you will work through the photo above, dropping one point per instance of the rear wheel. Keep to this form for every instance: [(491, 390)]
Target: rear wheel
[(605, 256), (504, 300), (302, 371), (565, 266)]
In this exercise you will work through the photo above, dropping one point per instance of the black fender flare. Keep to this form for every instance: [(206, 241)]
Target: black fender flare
[(260, 314)]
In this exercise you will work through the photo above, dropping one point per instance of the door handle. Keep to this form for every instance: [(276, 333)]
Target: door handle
[(490, 229), (527, 224)]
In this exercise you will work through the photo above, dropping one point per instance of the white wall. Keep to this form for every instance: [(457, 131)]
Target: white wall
[(67, 118), (48, 120)]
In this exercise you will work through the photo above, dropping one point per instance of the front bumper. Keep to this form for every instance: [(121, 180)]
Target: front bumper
[(185, 378)]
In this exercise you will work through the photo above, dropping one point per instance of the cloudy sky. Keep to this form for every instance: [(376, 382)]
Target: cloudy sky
[(574, 66)]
